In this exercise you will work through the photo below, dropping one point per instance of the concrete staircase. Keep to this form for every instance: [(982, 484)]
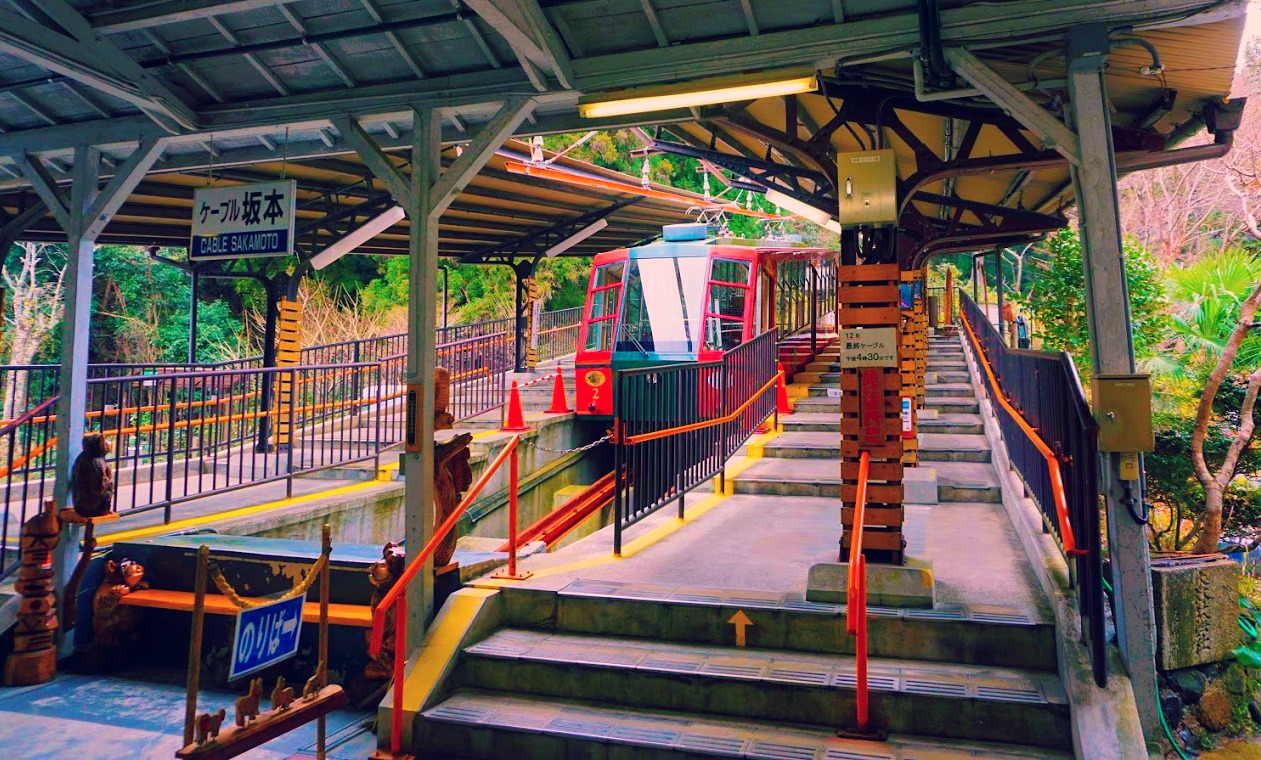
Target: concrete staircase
[(622, 669)]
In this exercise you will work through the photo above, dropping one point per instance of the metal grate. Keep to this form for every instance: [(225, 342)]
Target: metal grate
[(579, 727), (853, 754), (459, 713), (937, 688), (780, 751), (640, 735), (790, 675), (1011, 694), (712, 744)]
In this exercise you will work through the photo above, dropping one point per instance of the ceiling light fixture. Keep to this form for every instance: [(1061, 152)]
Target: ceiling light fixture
[(804, 210), (706, 92)]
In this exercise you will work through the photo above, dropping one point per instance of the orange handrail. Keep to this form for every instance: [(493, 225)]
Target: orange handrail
[(654, 435), (1052, 462), (856, 591), (397, 595)]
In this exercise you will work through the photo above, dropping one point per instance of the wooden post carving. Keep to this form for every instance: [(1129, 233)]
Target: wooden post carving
[(34, 657)]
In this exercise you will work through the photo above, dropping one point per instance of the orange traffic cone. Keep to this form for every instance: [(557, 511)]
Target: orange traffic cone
[(559, 403), (781, 393), (516, 420)]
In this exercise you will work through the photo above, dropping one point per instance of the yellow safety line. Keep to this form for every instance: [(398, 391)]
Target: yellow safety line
[(442, 645), (192, 522)]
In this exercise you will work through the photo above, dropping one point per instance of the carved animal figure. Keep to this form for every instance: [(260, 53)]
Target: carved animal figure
[(112, 622), (92, 479), (206, 726), (247, 706), (312, 686), (382, 574), (281, 696), (452, 477)]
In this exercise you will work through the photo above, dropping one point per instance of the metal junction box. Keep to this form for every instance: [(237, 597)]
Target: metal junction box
[(868, 188), (1123, 409)]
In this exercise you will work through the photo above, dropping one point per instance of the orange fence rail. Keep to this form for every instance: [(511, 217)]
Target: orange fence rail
[(397, 596), (856, 593)]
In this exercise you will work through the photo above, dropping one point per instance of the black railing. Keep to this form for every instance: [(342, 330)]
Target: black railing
[(478, 365), (678, 424), (1047, 409), (558, 333)]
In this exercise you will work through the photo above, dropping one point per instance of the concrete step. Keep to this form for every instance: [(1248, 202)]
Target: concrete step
[(475, 723), (952, 423), (939, 447), (953, 377), (967, 482), (791, 477), (817, 404), (942, 388), (999, 636), (953, 404), (934, 699), (799, 445), (826, 389), (811, 422)]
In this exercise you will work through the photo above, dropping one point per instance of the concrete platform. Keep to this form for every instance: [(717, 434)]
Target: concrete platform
[(140, 714)]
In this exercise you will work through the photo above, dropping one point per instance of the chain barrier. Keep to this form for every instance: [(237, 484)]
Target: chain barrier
[(300, 588), (587, 447)]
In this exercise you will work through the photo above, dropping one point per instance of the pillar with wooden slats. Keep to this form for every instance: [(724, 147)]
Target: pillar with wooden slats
[(288, 354), (867, 296)]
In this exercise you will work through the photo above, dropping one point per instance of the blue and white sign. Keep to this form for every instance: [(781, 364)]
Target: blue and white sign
[(243, 222), (265, 636)]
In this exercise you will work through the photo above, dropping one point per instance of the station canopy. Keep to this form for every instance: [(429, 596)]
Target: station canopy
[(250, 90)]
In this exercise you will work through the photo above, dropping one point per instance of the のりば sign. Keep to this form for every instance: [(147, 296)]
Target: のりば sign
[(247, 221)]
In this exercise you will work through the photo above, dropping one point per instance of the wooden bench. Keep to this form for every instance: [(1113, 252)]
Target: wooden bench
[(356, 615)]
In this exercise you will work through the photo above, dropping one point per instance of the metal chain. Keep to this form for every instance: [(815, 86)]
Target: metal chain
[(588, 447)]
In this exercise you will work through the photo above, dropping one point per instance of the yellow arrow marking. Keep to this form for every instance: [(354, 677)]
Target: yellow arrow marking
[(741, 622)]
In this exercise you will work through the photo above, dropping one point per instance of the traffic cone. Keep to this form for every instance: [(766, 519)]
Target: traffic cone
[(516, 420), (781, 393), (559, 403)]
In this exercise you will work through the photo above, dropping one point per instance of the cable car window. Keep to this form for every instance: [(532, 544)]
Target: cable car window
[(663, 305), (730, 270), (606, 291)]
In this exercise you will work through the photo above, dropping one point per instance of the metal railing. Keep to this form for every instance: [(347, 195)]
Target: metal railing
[(396, 598), (558, 333), (856, 595), (945, 308), (1051, 438), (181, 432), (677, 425)]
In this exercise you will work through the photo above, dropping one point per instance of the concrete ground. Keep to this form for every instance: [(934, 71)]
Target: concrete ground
[(140, 714), (768, 543)]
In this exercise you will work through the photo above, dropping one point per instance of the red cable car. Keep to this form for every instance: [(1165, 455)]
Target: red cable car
[(685, 298)]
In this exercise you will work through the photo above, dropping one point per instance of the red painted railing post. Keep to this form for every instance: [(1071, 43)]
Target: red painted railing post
[(511, 572)]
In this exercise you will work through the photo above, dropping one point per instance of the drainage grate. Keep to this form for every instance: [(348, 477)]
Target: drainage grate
[(493, 648), (579, 727), (638, 735), (672, 665), (778, 751), (592, 587), (810, 677), (460, 713), (804, 606), (1002, 617), (748, 601), (734, 671), (1011, 694), (853, 754), (941, 614), (713, 744), (850, 681), (696, 598), (938, 688)]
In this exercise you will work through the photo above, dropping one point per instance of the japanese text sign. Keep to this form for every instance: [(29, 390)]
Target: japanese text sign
[(870, 347), (265, 636), (248, 221)]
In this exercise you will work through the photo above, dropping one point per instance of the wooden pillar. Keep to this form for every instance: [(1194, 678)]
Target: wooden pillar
[(868, 297)]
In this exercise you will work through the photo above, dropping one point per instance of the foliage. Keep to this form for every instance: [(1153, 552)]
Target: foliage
[(1207, 294), (1060, 305)]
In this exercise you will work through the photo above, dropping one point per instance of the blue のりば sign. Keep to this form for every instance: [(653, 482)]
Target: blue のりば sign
[(265, 636), (243, 222)]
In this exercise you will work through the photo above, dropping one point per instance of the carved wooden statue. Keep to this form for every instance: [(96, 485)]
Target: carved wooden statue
[(247, 706), (281, 696), (112, 622), (34, 658), (92, 479), (382, 574), (206, 728), (451, 478)]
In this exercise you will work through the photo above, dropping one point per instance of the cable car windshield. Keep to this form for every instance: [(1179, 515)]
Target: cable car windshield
[(663, 307)]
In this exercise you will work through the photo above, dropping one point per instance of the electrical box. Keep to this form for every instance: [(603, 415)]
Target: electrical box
[(868, 188), (1123, 409)]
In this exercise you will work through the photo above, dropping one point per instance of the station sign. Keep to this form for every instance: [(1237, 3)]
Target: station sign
[(265, 636), (243, 222), (869, 347)]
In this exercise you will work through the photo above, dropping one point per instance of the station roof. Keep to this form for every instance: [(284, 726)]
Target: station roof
[(251, 86)]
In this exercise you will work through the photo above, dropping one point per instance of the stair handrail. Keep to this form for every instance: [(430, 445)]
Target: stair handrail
[(1048, 454), (856, 592), (631, 440), (396, 597)]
